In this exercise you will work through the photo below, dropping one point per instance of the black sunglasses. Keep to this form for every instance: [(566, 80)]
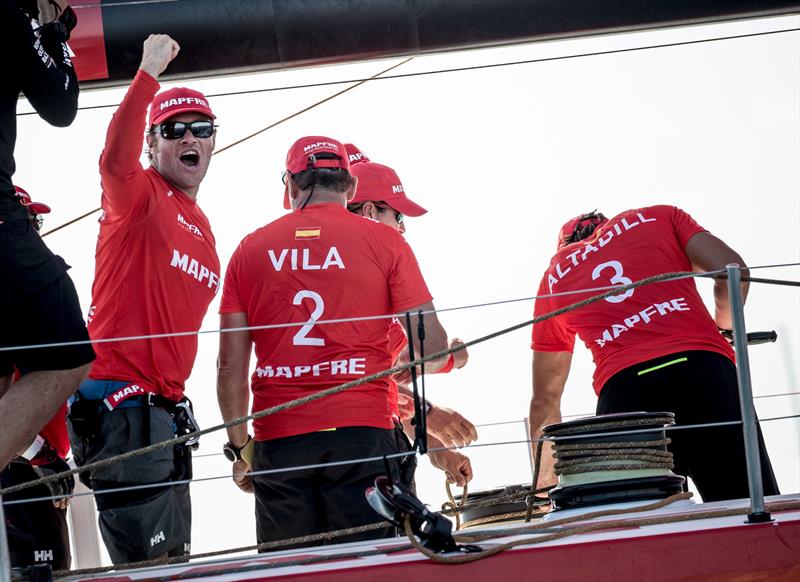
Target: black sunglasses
[(177, 129), (398, 216)]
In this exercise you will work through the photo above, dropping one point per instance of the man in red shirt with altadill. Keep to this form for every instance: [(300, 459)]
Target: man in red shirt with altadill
[(656, 348), (317, 263), (156, 272)]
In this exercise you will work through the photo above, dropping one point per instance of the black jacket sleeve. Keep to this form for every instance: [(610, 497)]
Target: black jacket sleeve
[(46, 75)]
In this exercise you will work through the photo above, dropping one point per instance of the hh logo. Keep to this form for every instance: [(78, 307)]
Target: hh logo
[(43, 556), (158, 538)]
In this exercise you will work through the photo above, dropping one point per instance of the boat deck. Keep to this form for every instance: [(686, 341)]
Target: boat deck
[(690, 544)]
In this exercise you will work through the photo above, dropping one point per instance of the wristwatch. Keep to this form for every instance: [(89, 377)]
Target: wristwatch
[(233, 453)]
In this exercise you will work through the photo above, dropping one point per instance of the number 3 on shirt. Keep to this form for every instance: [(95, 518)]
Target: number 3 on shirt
[(617, 278), (301, 337)]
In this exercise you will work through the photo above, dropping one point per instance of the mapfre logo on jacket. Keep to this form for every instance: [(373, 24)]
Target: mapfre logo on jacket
[(192, 228), (194, 268)]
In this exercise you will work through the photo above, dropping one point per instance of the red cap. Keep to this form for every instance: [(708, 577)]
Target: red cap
[(355, 155), (302, 156), (25, 200), (178, 100), (377, 182), (577, 223)]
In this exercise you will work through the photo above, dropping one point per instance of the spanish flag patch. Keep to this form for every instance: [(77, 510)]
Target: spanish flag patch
[(307, 232)]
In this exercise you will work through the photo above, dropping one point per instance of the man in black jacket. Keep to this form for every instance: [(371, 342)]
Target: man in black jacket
[(38, 302)]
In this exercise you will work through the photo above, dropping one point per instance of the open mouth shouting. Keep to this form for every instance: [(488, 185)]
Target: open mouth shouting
[(190, 158)]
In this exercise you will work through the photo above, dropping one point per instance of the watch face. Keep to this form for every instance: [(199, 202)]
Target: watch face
[(230, 453)]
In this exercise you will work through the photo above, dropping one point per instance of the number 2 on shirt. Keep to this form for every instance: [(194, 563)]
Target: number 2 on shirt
[(301, 337), (617, 278)]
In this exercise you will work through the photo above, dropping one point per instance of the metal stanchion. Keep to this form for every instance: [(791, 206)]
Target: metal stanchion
[(530, 447), (5, 558), (757, 512)]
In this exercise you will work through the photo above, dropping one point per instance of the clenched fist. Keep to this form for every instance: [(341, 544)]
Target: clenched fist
[(158, 52)]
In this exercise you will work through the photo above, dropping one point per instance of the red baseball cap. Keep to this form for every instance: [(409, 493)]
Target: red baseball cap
[(302, 156), (577, 223), (377, 182), (178, 100), (355, 155), (25, 200)]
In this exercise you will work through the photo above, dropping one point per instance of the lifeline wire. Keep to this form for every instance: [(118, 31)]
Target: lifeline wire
[(357, 461), (719, 274), (682, 275), (475, 67), (346, 385)]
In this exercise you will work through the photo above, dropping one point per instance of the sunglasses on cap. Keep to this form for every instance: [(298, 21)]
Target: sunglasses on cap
[(36, 220), (177, 129)]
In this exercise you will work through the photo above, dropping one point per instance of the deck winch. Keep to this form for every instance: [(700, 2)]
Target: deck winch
[(612, 458)]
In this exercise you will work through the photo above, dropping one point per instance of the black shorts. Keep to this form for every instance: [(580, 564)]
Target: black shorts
[(700, 389), (147, 523), (37, 531), (311, 501), (38, 301)]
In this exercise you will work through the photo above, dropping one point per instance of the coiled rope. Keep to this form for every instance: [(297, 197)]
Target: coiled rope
[(574, 459)]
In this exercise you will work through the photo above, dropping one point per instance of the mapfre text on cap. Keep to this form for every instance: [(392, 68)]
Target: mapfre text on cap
[(321, 144), (182, 101)]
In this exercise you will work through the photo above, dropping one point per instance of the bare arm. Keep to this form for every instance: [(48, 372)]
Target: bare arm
[(708, 253), (233, 362), (435, 341), (550, 372), (435, 335)]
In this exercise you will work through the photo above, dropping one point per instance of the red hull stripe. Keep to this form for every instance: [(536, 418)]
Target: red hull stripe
[(88, 42), (750, 552)]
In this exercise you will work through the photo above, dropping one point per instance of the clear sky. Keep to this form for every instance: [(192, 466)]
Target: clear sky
[(501, 158)]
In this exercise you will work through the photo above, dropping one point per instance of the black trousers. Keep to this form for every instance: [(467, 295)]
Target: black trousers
[(38, 301), (311, 501), (37, 531), (699, 389)]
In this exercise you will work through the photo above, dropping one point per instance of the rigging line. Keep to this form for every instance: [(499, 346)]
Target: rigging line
[(341, 387), (318, 103), (278, 544), (775, 266), (777, 395), (782, 282), (678, 276), (259, 132), (686, 275), (129, 454), (584, 415), (355, 461), (472, 67), (122, 3)]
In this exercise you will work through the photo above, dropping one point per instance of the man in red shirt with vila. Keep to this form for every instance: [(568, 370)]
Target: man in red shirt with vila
[(320, 262), (156, 272), (656, 347)]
